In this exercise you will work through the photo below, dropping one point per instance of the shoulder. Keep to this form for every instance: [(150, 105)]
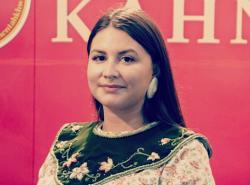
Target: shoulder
[(191, 150), (179, 137), (190, 160), (65, 137), (71, 130), (47, 171), (70, 136), (200, 140), (190, 165)]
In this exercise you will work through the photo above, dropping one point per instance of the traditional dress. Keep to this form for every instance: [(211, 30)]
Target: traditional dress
[(156, 154)]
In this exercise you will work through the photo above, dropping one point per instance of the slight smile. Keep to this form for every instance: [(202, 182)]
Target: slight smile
[(111, 87)]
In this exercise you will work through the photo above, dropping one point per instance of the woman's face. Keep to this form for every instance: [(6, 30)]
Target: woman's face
[(119, 70)]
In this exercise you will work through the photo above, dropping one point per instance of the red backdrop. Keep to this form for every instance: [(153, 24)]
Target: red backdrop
[(43, 81)]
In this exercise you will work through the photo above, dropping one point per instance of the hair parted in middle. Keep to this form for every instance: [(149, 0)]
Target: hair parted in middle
[(164, 106)]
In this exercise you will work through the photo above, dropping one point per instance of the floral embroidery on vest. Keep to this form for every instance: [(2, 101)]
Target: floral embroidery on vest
[(106, 166), (75, 163)]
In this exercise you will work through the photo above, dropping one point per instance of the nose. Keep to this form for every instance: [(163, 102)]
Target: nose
[(110, 71)]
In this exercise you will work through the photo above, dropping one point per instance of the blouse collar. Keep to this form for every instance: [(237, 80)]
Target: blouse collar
[(98, 131)]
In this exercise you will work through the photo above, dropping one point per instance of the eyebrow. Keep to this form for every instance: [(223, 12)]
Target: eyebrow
[(98, 51), (119, 53)]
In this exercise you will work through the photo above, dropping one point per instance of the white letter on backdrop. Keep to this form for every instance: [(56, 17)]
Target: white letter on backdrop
[(242, 5), (63, 18), (179, 18), (133, 4)]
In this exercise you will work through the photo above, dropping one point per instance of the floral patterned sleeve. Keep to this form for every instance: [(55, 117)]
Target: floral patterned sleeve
[(47, 171), (189, 167)]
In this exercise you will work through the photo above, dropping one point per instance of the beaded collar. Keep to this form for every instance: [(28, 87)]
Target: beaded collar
[(98, 131)]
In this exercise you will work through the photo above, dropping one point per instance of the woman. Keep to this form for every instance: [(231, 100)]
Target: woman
[(140, 137)]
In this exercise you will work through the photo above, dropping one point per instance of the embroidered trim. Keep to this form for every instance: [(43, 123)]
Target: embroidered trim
[(148, 166), (98, 131), (52, 152), (62, 148), (82, 171)]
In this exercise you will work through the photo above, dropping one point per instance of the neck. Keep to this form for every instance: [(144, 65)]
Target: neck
[(119, 121)]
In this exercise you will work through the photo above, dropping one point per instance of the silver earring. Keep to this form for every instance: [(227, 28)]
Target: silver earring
[(152, 88)]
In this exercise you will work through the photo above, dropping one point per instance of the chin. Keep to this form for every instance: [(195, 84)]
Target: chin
[(111, 100), (112, 104), (117, 102)]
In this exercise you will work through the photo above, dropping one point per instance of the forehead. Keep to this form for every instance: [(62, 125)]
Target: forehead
[(111, 39)]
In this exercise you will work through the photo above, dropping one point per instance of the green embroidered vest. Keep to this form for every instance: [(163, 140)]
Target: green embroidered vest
[(85, 157)]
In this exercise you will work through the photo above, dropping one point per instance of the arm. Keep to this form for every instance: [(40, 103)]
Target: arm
[(190, 166), (47, 171)]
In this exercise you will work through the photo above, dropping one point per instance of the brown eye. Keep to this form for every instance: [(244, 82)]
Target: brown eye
[(127, 59), (98, 58)]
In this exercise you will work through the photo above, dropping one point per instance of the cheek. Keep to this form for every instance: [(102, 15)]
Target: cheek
[(139, 81), (92, 76)]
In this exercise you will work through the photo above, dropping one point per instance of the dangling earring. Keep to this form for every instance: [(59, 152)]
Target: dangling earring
[(152, 88)]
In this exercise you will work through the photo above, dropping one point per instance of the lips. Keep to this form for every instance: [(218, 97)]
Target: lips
[(111, 87)]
